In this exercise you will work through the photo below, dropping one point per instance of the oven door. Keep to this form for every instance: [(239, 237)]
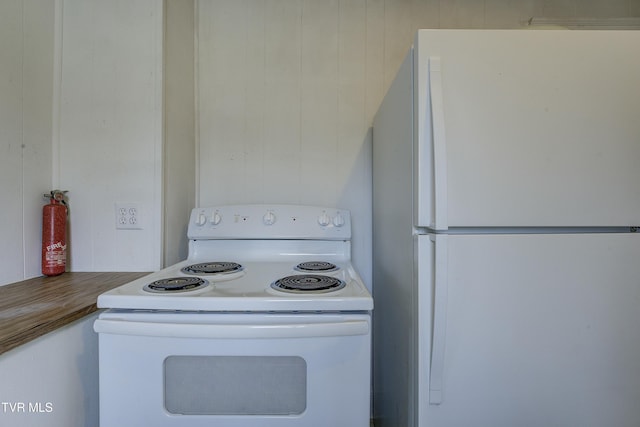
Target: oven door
[(227, 369)]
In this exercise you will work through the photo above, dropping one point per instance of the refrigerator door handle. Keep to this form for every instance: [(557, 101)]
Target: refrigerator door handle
[(436, 100), (439, 328)]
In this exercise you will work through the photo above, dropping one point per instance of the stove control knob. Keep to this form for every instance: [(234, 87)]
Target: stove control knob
[(216, 218), (201, 219), (269, 218), (338, 220), (324, 219)]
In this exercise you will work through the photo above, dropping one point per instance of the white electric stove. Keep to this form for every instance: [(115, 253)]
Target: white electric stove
[(266, 323)]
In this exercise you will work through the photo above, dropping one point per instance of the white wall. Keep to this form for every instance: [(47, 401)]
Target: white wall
[(283, 106), (179, 126), (26, 88), (81, 110), (109, 116), (287, 90)]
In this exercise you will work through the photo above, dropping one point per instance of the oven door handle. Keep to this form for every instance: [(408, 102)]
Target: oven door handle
[(232, 331)]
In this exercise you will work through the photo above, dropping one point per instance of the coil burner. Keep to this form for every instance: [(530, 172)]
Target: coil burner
[(316, 266), (213, 268), (176, 285), (308, 283)]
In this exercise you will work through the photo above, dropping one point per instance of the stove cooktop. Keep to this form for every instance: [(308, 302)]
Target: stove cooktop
[(280, 258), (245, 286)]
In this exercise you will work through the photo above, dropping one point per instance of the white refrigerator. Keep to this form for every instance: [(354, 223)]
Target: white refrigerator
[(506, 177)]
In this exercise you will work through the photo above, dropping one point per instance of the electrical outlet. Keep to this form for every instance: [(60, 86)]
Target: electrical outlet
[(128, 216)]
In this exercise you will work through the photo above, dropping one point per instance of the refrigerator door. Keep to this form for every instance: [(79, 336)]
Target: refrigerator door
[(529, 330), (526, 128)]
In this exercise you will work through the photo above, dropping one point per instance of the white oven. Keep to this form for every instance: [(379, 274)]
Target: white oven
[(265, 324), (229, 369)]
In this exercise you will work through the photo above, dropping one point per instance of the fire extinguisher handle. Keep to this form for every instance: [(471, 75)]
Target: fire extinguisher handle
[(57, 195)]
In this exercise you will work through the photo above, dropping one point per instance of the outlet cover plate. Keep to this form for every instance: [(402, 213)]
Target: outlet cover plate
[(128, 216)]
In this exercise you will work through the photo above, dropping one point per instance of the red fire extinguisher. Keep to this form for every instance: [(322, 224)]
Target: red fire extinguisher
[(54, 234)]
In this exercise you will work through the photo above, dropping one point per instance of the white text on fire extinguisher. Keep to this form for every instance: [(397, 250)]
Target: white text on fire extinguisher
[(55, 246)]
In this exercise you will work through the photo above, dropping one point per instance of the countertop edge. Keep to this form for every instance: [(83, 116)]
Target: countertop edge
[(34, 307)]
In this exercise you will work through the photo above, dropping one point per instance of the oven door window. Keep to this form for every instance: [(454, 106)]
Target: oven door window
[(235, 385)]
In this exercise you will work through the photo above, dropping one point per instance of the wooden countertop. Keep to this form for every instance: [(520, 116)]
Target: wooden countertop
[(34, 307)]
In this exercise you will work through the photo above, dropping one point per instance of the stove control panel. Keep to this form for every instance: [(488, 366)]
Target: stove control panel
[(269, 222)]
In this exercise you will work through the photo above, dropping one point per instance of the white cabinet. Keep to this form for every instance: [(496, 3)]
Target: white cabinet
[(52, 380)]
